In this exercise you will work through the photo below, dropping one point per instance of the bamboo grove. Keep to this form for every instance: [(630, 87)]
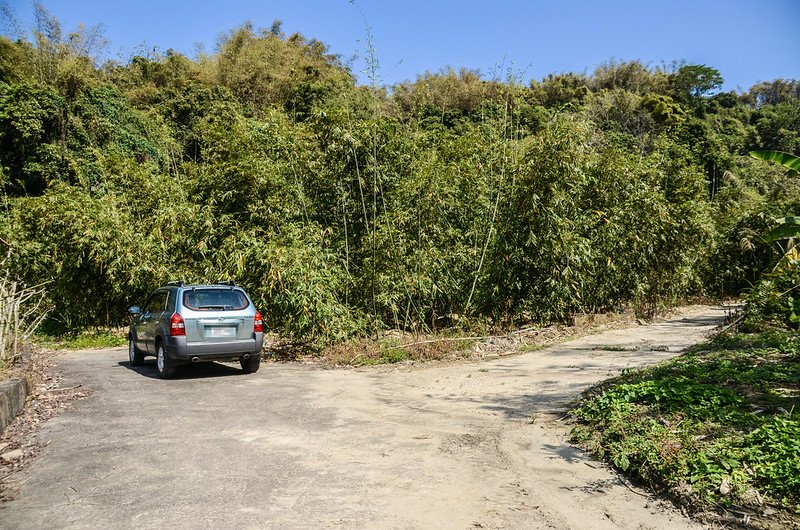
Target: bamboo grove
[(453, 200)]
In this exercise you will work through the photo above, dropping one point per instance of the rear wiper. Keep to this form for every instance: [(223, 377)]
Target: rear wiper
[(222, 307)]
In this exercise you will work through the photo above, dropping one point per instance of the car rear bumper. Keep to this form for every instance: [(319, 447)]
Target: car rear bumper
[(177, 348)]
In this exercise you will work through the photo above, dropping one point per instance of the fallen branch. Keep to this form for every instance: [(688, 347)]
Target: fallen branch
[(483, 337), (354, 358), (625, 483), (63, 389), (450, 339), (729, 326)]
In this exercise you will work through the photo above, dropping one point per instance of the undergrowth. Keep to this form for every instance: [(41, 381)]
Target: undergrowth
[(719, 425), (103, 338), (391, 350)]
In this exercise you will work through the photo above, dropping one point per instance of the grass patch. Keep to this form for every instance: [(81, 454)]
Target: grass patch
[(719, 425), (103, 338), (531, 347), (392, 350)]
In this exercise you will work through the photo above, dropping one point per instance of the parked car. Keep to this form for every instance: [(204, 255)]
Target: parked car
[(182, 323)]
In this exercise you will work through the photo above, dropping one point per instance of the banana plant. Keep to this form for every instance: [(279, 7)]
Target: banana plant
[(788, 227)]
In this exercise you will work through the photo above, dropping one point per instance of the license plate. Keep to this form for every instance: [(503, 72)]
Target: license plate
[(219, 331)]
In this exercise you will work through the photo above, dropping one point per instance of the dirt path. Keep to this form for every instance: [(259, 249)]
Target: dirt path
[(475, 445)]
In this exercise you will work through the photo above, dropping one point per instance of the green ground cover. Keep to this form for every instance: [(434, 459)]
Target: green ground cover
[(718, 426)]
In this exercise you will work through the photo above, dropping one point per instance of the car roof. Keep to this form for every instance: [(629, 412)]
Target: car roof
[(181, 285)]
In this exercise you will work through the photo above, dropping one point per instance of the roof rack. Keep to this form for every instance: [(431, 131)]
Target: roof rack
[(178, 283), (230, 283)]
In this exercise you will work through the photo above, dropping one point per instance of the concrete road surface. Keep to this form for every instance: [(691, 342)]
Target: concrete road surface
[(464, 445)]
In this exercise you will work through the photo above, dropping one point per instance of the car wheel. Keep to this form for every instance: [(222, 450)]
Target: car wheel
[(134, 355), (164, 365), (251, 365)]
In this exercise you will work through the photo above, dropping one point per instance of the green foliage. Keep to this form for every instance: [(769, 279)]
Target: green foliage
[(774, 299), (447, 202), (31, 118), (772, 92), (695, 401), (630, 76), (773, 451), (297, 282), (788, 227), (778, 126), (785, 159), (389, 352), (691, 81), (663, 109), (560, 90), (83, 340), (713, 426), (264, 67)]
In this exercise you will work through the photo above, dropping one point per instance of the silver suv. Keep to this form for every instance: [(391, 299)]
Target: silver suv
[(182, 323)]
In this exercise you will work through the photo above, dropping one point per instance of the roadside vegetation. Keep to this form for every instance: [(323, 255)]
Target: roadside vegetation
[(718, 426), (87, 339), (451, 203)]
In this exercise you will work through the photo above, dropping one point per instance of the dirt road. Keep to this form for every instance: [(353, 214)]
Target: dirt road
[(469, 445)]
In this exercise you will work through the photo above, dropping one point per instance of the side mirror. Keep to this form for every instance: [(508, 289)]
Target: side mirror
[(134, 310)]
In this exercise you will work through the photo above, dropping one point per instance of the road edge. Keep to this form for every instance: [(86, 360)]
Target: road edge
[(13, 393)]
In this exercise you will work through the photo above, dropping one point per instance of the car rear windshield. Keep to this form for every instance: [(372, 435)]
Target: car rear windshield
[(215, 300)]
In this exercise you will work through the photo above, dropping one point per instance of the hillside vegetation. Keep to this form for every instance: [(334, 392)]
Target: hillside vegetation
[(453, 200)]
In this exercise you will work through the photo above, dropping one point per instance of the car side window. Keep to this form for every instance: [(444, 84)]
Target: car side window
[(156, 302), (173, 295), (147, 305)]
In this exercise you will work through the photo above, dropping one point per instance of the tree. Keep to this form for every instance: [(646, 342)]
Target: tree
[(692, 81), (772, 92)]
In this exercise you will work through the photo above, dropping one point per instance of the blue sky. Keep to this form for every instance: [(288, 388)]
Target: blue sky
[(748, 41)]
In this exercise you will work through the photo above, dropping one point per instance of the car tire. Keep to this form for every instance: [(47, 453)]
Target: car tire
[(135, 356), (164, 365), (251, 365)]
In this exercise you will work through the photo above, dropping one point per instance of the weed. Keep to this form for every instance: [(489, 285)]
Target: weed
[(392, 350), (107, 338), (712, 426)]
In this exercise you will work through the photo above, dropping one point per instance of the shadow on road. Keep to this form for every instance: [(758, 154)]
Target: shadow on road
[(556, 402), (567, 453), (185, 371)]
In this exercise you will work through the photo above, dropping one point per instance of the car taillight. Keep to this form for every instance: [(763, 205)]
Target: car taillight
[(176, 325), (258, 323)]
